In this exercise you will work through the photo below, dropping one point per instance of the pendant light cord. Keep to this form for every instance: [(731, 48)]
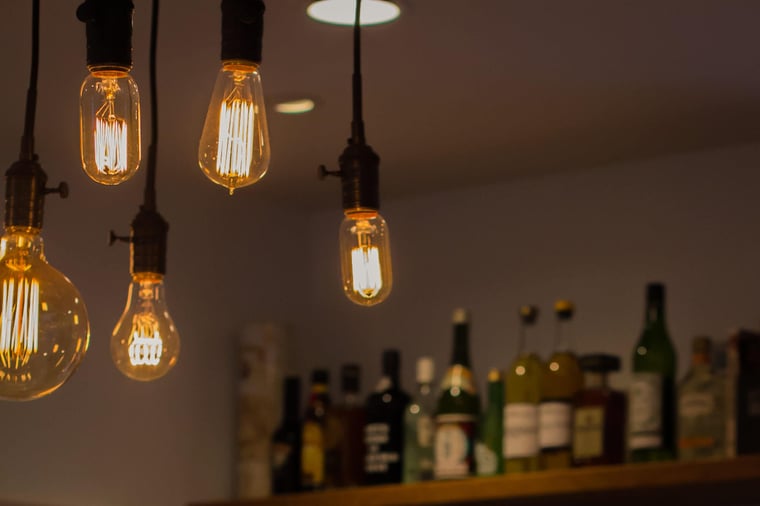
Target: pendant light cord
[(357, 125), (149, 201), (27, 140)]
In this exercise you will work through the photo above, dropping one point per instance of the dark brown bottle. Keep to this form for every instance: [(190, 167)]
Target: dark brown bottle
[(286, 442), (599, 415), (313, 433), (344, 443)]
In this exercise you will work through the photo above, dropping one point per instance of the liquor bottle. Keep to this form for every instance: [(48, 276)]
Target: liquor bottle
[(344, 436), (701, 407), (384, 429), (599, 415), (521, 409), (458, 409), (489, 452), (286, 442), (313, 434), (561, 380), (418, 426), (651, 409)]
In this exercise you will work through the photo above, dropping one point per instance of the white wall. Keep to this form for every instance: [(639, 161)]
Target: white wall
[(596, 237)]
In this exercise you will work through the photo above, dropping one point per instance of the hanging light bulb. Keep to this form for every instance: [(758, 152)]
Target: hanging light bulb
[(365, 257), (234, 146), (145, 343), (365, 249), (109, 101)]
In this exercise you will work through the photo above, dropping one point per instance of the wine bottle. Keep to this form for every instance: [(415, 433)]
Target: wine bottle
[(523, 395), (561, 380), (651, 408), (344, 442), (286, 442), (489, 452), (313, 434), (384, 429), (418, 426), (458, 409)]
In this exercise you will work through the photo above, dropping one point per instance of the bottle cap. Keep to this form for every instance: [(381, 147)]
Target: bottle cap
[(564, 309), (391, 359), (528, 314), (701, 344), (494, 375), (460, 316), (349, 378), (599, 362), (655, 291), (425, 370), (320, 376)]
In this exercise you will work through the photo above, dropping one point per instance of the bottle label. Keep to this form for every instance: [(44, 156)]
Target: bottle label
[(554, 420), (425, 431), (696, 404), (487, 460), (588, 433), (458, 377), (520, 430), (454, 449), (646, 410), (313, 455), (379, 457)]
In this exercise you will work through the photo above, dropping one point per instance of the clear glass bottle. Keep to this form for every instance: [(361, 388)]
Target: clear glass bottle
[(561, 380), (523, 385), (651, 409), (701, 407), (313, 433), (599, 415), (286, 442), (458, 409), (344, 441), (384, 429), (489, 451), (419, 427)]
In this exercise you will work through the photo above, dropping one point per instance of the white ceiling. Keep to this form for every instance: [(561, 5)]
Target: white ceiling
[(456, 92)]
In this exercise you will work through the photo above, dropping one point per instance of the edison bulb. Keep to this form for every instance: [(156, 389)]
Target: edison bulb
[(44, 329), (109, 126), (365, 257), (145, 342), (234, 145)]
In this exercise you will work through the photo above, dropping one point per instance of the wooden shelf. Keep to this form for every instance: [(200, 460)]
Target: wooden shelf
[(712, 482)]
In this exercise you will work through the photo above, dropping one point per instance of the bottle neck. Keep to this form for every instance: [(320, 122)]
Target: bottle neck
[(461, 353), (496, 394), (351, 399), (595, 380), (654, 315), (700, 362), (562, 336), (290, 409), (424, 389)]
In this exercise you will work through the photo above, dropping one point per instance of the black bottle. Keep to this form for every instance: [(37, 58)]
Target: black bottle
[(286, 442), (384, 428)]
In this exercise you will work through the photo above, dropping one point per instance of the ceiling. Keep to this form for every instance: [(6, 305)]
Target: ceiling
[(456, 93)]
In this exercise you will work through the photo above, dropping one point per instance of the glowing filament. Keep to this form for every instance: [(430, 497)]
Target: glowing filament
[(19, 328), (111, 145), (146, 345), (365, 265), (235, 149)]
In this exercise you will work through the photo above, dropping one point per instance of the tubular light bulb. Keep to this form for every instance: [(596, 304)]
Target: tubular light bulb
[(234, 145), (44, 329), (365, 257), (109, 123), (145, 343)]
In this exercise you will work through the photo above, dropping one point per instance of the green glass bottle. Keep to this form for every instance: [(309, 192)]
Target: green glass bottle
[(458, 409), (523, 385), (562, 379), (489, 454), (651, 410)]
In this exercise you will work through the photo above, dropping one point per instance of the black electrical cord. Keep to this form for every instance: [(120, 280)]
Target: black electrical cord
[(149, 201), (357, 125), (27, 140)]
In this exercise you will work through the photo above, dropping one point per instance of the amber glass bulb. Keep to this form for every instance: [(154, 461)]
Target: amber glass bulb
[(365, 257)]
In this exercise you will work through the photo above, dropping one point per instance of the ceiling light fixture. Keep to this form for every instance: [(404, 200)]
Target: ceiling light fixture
[(44, 329), (145, 343), (341, 12), (109, 102), (234, 147), (299, 106), (365, 253)]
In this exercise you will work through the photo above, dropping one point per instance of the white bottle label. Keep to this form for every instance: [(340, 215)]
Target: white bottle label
[(486, 460), (425, 431), (645, 408), (520, 430), (554, 420), (696, 404), (377, 457), (454, 445)]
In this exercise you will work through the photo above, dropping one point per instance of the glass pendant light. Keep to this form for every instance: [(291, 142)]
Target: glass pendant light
[(44, 329), (342, 12), (364, 240)]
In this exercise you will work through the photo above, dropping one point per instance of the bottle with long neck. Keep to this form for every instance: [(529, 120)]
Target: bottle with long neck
[(489, 452), (458, 409), (384, 428), (651, 401), (418, 426), (562, 379), (313, 433), (344, 442), (523, 383), (286, 442)]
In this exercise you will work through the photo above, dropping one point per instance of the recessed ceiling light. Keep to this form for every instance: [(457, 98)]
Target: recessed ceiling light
[(299, 106), (342, 12)]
